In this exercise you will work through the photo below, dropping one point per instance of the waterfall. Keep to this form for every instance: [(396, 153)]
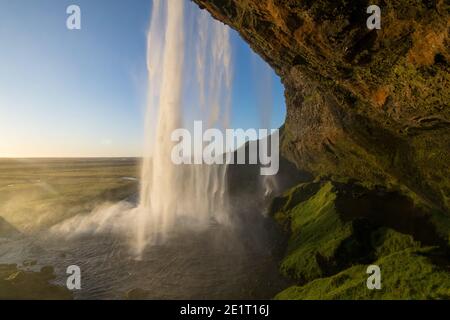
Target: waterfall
[(189, 78)]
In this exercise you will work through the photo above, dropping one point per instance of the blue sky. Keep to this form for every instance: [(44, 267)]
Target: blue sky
[(83, 93)]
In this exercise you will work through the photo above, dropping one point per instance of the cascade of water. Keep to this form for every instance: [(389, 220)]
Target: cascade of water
[(174, 194)]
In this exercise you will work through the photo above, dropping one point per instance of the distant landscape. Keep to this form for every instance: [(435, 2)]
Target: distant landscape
[(38, 193)]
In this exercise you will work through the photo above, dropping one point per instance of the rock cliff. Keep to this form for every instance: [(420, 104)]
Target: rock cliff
[(370, 105), (368, 117)]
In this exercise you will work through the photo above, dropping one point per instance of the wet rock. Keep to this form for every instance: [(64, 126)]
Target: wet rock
[(47, 272), (19, 284)]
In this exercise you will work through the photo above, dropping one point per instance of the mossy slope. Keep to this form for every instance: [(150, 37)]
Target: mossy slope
[(406, 274), (330, 246), (316, 233)]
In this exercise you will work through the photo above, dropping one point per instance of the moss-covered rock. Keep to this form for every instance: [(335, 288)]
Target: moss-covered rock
[(363, 105), (371, 105), (316, 234), (337, 229), (405, 274), (27, 285), (387, 242)]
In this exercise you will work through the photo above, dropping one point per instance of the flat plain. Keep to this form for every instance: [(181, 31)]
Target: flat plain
[(38, 193)]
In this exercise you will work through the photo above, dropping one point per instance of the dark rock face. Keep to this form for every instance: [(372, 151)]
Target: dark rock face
[(370, 105)]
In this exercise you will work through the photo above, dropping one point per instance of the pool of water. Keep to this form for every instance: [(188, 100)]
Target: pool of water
[(219, 262)]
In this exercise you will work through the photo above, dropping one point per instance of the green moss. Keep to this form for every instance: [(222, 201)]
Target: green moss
[(442, 222), (424, 87), (387, 241), (406, 274), (316, 233), (406, 271), (333, 241)]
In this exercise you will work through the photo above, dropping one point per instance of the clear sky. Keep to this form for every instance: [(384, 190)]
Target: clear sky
[(83, 93)]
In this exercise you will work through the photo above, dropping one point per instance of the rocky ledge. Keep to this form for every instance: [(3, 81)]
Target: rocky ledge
[(368, 116)]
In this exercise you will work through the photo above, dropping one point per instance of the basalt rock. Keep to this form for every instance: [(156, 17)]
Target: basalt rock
[(369, 105)]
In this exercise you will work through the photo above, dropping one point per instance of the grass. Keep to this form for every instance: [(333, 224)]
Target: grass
[(37, 193)]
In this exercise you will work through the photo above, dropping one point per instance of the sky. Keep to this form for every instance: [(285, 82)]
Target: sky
[(82, 93)]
